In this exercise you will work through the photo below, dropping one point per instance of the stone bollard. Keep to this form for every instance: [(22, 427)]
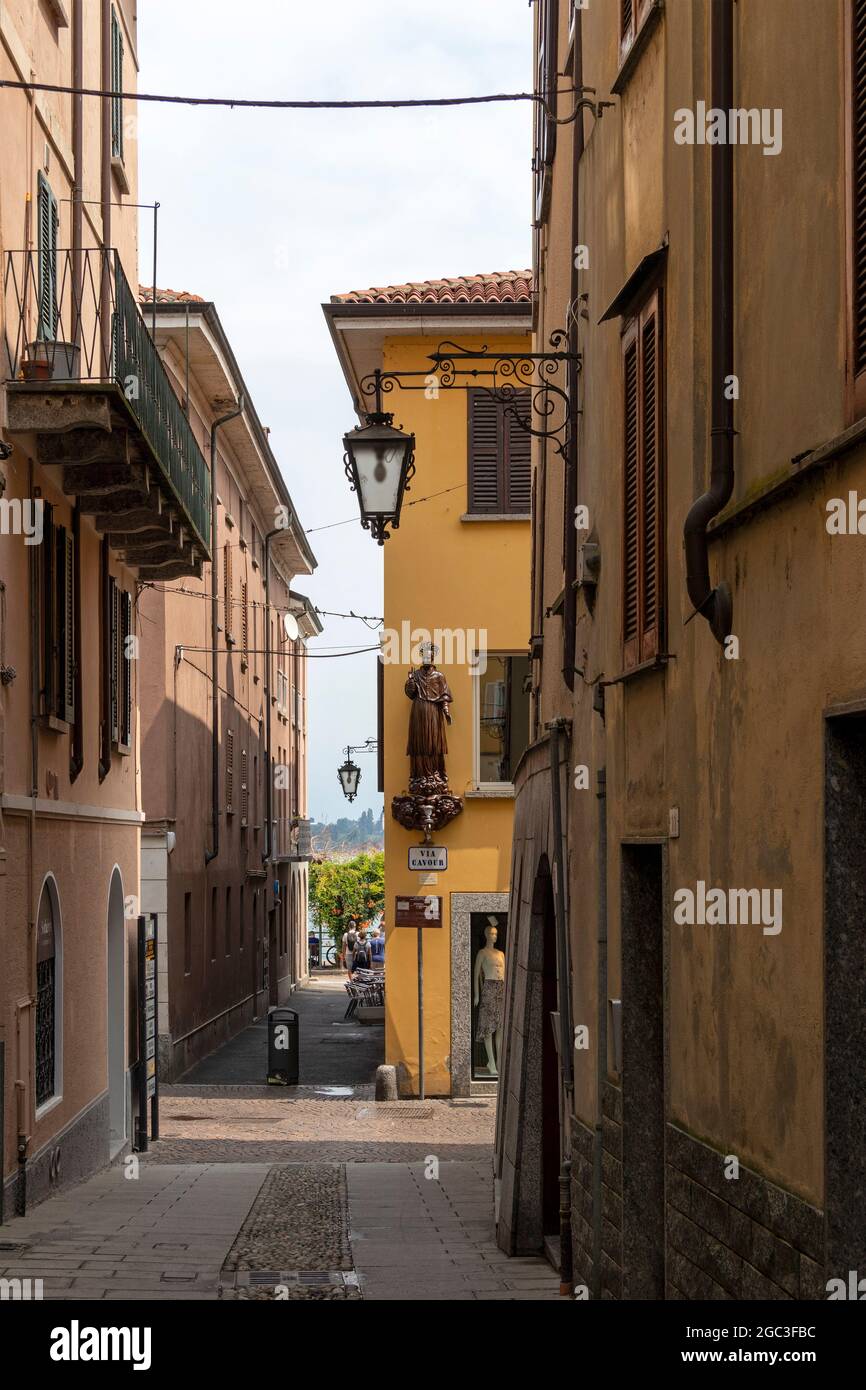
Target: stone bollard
[(386, 1083)]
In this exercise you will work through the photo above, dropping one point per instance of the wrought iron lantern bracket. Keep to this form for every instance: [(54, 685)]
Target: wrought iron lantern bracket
[(503, 376)]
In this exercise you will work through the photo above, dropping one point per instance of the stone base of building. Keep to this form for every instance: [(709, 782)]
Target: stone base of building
[(725, 1237), (76, 1152)]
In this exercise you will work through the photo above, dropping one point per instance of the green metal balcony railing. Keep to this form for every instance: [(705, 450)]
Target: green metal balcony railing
[(66, 324)]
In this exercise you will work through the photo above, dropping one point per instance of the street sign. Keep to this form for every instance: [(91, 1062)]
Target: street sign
[(417, 912), (428, 858)]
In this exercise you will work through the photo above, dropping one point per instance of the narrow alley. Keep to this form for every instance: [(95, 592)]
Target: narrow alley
[(314, 1191)]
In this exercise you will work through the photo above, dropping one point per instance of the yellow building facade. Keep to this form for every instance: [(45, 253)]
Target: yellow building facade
[(456, 574)]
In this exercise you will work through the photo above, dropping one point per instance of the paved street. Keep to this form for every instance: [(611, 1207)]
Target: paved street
[(312, 1192)]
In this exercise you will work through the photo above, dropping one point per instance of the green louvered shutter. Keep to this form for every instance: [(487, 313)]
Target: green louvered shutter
[(116, 86), (47, 259)]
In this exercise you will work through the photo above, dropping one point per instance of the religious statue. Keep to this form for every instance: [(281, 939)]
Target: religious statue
[(428, 690), (430, 803), (489, 995)]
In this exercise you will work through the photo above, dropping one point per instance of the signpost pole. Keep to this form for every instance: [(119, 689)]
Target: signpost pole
[(141, 1122), (154, 1102), (420, 1013)]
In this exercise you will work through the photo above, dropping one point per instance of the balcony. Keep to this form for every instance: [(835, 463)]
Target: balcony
[(292, 841), (82, 375)]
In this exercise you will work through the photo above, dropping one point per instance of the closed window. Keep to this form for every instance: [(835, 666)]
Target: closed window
[(120, 663), (58, 619), (643, 587), (227, 591), (545, 124), (499, 455), (228, 921), (117, 87), (230, 772), (502, 732)]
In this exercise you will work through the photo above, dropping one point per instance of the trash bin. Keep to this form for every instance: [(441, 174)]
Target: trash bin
[(283, 1047)]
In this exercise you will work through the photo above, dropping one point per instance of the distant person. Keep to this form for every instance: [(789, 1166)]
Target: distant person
[(350, 941), (361, 959), (377, 949)]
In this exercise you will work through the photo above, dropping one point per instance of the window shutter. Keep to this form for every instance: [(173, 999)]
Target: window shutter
[(230, 771), (63, 703), (46, 231), (125, 663), (626, 19), (116, 86), (643, 487), (518, 466), (114, 663), (227, 588), (49, 611), (651, 518), (484, 453), (245, 631), (858, 180), (631, 529), (245, 791)]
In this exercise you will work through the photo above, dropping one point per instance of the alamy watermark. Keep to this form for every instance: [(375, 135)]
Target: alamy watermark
[(739, 126), (732, 907), (451, 646), (22, 517)]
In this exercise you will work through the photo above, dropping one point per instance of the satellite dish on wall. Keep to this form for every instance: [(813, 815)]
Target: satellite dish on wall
[(290, 627)]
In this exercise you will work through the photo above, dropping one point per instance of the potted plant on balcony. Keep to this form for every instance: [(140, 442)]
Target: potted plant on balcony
[(51, 359)]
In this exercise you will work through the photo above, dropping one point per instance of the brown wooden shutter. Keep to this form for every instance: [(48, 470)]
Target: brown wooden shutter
[(626, 18), (518, 463), (858, 181), (49, 611), (631, 495), (64, 706), (643, 488), (245, 629), (125, 666), (227, 588), (230, 771), (114, 657), (245, 797), (651, 483), (485, 454)]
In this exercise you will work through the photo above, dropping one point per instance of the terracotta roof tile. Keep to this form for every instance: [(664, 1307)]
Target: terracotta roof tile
[(501, 287), (145, 296)]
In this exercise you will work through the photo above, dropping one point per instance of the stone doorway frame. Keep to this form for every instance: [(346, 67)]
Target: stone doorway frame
[(462, 907)]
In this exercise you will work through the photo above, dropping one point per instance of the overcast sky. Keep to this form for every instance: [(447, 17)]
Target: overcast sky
[(270, 213)]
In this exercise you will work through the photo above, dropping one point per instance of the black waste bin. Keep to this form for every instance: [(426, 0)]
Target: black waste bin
[(283, 1047)]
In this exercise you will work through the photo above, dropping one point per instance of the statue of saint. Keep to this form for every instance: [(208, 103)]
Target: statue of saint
[(489, 995), (431, 699)]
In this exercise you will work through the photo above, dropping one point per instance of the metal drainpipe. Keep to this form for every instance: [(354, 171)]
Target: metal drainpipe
[(212, 853), (601, 1029), (269, 779), (569, 617), (563, 982), (77, 163), (716, 605)]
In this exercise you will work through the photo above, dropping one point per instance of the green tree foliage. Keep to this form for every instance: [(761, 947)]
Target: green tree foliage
[(339, 891)]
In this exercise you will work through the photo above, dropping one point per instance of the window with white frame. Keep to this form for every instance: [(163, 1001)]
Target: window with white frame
[(501, 716)]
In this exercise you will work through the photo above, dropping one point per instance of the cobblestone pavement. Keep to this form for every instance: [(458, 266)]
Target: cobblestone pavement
[(228, 1126), (313, 1192)]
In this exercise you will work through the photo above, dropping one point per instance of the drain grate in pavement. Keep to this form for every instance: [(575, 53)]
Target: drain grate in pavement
[(316, 1278), (405, 1112)]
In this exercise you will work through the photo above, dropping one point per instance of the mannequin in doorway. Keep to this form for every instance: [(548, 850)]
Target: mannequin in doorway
[(489, 995)]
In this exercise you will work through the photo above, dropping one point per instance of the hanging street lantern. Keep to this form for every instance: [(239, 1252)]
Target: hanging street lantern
[(379, 461), (350, 775)]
